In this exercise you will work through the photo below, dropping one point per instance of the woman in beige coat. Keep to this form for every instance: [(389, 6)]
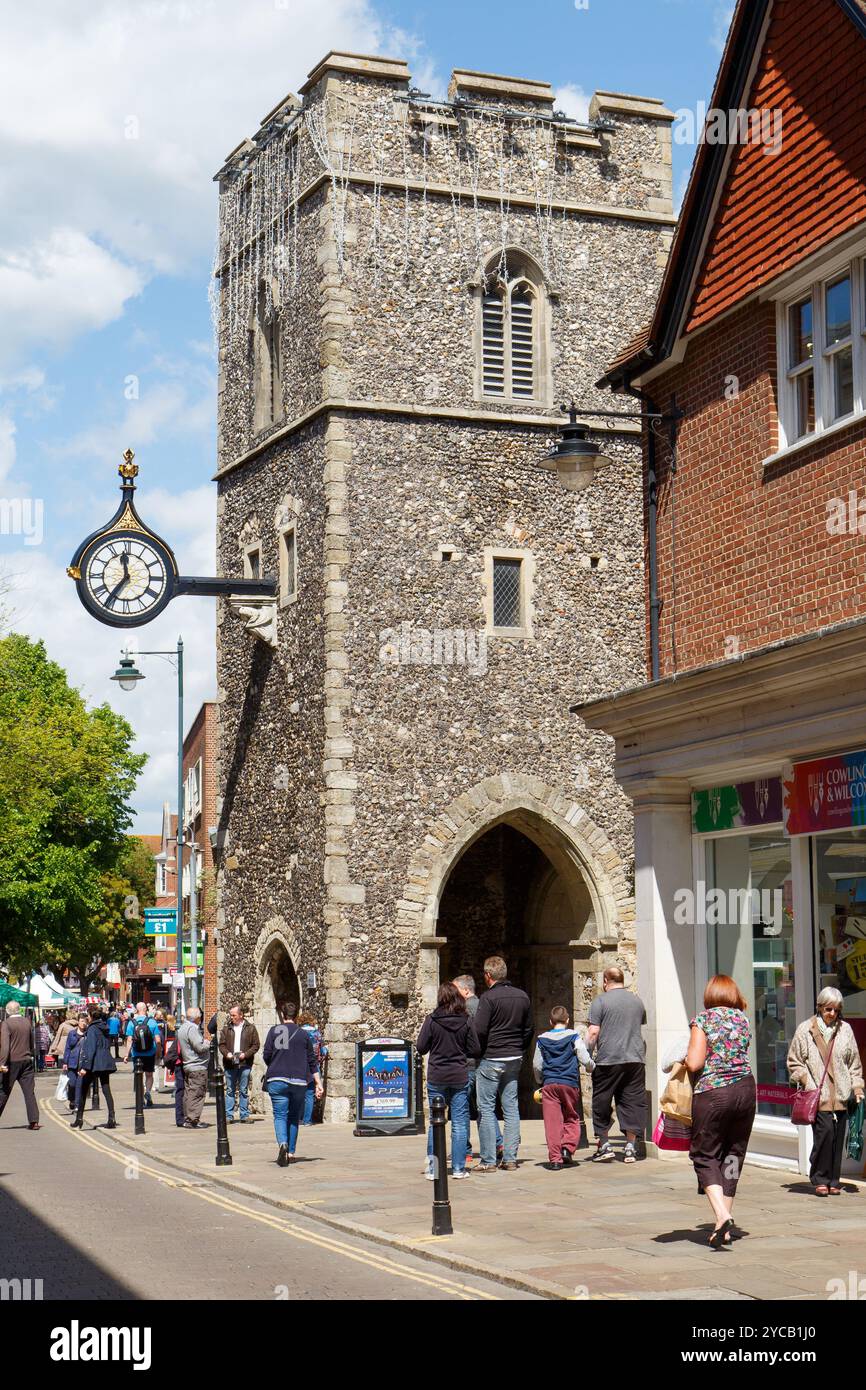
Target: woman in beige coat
[(807, 1057)]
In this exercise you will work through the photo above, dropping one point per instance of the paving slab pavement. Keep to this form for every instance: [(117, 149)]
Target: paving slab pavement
[(607, 1231)]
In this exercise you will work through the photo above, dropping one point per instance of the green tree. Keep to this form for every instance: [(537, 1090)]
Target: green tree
[(66, 776)]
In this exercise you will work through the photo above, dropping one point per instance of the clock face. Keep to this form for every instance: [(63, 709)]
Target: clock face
[(125, 578)]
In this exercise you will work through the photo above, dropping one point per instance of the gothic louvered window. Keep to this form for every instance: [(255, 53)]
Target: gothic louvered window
[(494, 345), (522, 354), (510, 331)]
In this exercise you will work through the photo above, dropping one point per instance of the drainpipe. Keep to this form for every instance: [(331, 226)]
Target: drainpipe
[(652, 512)]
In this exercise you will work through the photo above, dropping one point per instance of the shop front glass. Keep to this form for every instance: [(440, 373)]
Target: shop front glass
[(750, 936), (839, 879)]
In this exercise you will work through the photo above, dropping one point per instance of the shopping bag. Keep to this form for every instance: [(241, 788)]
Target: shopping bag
[(62, 1085), (676, 1098)]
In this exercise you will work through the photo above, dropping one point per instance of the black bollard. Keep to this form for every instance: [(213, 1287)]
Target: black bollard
[(138, 1086), (441, 1205), (223, 1153)]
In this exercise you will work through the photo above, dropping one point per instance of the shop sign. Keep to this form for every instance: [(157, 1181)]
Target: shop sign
[(736, 805), (776, 1095), (160, 921), (826, 794)]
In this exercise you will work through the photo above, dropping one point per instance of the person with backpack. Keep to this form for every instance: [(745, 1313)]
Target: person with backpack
[(142, 1044), (449, 1036), (309, 1024), (95, 1065), (291, 1065)]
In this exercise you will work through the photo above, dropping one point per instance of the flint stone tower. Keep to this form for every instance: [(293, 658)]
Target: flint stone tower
[(407, 291)]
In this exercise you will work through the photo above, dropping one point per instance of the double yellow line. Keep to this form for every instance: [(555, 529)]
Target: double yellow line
[(335, 1247)]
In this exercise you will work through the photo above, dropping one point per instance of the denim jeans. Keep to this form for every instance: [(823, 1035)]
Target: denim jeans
[(287, 1100), (237, 1077), (473, 1095), (309, 1103), (457, 1100), (494, 1079)]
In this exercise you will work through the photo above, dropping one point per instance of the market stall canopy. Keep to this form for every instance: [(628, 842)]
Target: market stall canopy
[(9, 994)]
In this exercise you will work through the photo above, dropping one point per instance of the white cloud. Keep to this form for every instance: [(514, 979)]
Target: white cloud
[(573, 101), (722, 17), (59, 287), (164, 410)]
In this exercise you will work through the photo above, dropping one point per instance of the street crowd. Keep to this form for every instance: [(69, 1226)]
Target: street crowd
[(476, 1049)]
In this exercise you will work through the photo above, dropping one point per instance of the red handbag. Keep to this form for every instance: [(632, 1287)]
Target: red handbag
[(804, 1111)]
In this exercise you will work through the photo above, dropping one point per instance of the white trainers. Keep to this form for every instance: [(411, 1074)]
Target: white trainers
[(461, 1173), (428, 1174)]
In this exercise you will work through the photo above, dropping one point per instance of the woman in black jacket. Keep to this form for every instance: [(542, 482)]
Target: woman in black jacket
[(95, 1064), (449, 1036)]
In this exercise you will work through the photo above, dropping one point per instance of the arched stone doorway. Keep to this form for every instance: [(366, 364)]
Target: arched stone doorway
[(276, 983), (555, 898), (505, 897)]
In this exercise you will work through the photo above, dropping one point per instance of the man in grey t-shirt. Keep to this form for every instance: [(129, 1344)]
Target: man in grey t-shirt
[(615, 1021)]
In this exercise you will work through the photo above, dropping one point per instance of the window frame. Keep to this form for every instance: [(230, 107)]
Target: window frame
[(525, 276), (249, 549), (288, 596), (524, 632), (814, 288)]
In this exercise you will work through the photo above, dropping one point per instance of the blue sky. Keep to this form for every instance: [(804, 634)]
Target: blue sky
[(115, 115)]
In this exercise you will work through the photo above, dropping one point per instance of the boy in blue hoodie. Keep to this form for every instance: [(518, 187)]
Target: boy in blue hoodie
[(559, 1053)]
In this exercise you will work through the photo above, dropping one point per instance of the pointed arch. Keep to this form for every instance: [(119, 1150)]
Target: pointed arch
[(513, 329)]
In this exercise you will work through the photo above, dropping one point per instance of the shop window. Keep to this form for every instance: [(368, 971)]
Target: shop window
[(750, 936), (839, 876)]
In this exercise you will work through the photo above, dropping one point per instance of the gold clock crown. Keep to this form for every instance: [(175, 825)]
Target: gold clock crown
[(128, 469)]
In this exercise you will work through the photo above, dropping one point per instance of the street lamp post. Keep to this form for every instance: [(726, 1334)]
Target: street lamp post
[(128, 677)]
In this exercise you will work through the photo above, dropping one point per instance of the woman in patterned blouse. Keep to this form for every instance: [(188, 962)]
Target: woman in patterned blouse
[(723, 1108)]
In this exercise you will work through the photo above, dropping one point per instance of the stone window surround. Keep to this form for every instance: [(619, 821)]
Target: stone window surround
[(288, 596), (524, 633), (530, 271), (248, 550)]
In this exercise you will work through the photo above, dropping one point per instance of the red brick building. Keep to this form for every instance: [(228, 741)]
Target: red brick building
[(199, 766), (744, 752)]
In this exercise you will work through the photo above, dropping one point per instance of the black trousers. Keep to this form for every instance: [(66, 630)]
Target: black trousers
[(89, 1080), (24, 1074), (622, 1084), (722, 1121), (828, 1147)]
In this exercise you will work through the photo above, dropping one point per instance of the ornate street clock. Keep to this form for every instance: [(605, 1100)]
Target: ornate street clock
[(126, 575)]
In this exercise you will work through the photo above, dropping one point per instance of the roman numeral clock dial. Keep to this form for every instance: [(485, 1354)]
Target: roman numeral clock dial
[(125, 574)]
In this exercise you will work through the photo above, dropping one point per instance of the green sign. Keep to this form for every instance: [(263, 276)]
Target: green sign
[(187, 955)]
